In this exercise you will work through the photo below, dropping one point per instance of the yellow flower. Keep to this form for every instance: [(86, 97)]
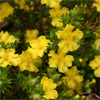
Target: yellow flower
[(77, 89), (48, 84), (6, 38), (69, 38), (97, 72), (55, 15), (60, 60), (97, 5), (70, 92), (27, 62), (72, 77), (38, 46), (83, 97), (22, 4), (95, 65), (45, 2), (97, 44), (77, 96), (57, 12), (56, 22), (8, 57), (50, 94), (48, 87), (51, 3), (71, 84), (31, 34), (80, 60), (5, 11)]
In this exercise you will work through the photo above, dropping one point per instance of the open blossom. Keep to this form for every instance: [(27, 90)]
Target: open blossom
[(97, 5), (31, 34), (8, 57), (6, 38), (50, 94), (95, 65), (51, 3), (77, 89), (69, 38), (38, 46), (22, 4), (73, 78), (27, 62), (56, 22), (73, 81), (5, 11), (48, 87), (55, 14), (60, 60)]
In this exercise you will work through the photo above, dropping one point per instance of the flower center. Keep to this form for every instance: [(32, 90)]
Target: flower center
[(60, 58), (71, 76), (2, 41), (6, 56), (46, 87), (58, 14), (33, 37), (28, 59), (2, 12), (69, 37), (39, 46)]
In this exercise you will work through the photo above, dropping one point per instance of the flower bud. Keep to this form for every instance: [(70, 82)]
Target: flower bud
[(56, 76), (51, 70), (76, 10), (1, 84), (37, 96), (80, 60), (33, 81), (77, 96), (77, 24), (83, 97)]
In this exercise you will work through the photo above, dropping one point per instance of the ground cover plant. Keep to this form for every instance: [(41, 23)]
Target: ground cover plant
[(49, 49)]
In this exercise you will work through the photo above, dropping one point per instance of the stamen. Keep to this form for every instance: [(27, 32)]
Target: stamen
[(39, 46), (28, 59), (6, 56)]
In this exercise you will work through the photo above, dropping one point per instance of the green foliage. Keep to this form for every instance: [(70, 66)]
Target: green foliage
[(5, 82)]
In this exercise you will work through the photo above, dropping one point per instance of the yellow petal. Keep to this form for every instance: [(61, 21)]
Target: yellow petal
[(77, 34)]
